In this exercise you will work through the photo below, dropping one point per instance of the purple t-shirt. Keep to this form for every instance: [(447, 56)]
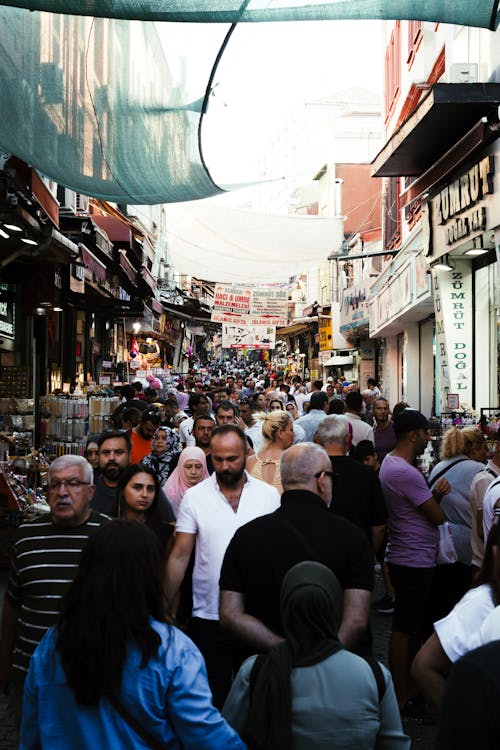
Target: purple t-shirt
[(413, 540), (385, 441)]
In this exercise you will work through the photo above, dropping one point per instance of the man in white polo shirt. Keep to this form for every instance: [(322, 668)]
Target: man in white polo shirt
[(209, 515)]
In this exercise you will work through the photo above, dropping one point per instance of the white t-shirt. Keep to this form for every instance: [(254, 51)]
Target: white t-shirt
[(185, 429), (360, 430), (255, 434), (491, 496), (204, 511), (459, 632)]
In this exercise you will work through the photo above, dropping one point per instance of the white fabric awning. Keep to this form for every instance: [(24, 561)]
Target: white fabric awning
[(216, 243), (338, 361)]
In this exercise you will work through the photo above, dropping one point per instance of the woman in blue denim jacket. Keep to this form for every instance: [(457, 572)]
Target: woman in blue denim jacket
[(113, 673)]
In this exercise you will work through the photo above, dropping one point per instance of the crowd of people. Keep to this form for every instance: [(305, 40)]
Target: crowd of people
[(205, 575)]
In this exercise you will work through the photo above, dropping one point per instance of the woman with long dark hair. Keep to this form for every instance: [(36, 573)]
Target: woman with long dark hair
[(113, 673), (138, 499)]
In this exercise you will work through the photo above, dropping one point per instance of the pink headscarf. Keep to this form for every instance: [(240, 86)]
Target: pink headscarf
[(176, 484)]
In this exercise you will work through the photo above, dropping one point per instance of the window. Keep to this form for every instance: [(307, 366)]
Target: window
[(414, 39), (393, 71), (392, 214)]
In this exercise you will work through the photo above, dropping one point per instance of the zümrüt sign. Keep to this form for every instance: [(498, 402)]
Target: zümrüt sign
[(459, 209), (453, 308)]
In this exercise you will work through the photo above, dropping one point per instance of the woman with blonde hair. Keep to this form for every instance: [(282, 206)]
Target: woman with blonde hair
[(277, 431), (463, 454)]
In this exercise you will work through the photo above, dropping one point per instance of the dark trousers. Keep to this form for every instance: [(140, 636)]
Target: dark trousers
[(221, 652)]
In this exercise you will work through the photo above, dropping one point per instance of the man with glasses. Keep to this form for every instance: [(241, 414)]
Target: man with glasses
[(262, 551), (44, 560)]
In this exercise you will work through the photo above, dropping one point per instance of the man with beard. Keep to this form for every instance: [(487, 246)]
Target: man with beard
[(209, 515), (383, 432), (114, 457)]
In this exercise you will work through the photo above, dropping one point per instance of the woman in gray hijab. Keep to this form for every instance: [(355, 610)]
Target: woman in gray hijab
[(309, 693)]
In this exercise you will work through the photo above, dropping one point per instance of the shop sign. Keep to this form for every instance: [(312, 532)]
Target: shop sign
[(460, 207), (243, 337), (7, 316), (325, 332), (123, 295), (453, 310), (354, 309)]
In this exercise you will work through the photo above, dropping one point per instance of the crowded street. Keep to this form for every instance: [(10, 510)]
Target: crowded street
[(250, 375)]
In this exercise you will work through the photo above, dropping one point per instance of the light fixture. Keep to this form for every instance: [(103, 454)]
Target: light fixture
[(57, 309), (28, 241), (4, 234), (136, 327), (13, 227), (477, 247), (443, 264)]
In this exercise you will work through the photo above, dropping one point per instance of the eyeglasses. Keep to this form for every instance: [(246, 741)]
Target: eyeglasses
[(326, 473), (72, 485)]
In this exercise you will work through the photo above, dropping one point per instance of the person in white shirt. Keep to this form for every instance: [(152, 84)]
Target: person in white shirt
[(360, 429), (209, 515)]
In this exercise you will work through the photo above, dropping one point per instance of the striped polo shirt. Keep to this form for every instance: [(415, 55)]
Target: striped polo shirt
[(43, 564)]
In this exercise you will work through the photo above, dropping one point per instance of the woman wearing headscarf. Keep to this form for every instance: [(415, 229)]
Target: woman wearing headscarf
[(308, 692), (165, 446), (190, 470)]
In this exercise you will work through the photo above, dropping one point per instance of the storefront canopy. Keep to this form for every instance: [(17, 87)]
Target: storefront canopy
[(93, 104), (211, 241)]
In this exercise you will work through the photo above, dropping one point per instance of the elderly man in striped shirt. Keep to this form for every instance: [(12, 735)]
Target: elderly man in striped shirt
[(44, 560)]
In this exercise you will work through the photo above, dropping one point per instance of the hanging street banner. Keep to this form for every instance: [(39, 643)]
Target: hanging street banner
[(453, 310), (247, 306), (244, 337)]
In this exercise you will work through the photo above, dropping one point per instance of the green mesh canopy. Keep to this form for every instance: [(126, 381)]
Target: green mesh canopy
[(91, 102), (463, 12)]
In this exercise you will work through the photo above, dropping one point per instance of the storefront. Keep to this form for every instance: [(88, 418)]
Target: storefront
[(462, 245), (402, 321)]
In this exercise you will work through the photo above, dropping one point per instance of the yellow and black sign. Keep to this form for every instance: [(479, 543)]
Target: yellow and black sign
[(325, 333)]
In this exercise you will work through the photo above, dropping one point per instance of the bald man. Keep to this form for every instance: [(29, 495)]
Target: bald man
[(262, 551)]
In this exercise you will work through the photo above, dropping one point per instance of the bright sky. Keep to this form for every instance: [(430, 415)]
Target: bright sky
[(267, 70)]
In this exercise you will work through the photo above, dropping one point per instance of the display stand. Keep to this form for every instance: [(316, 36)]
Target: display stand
[(67, 420), (18, 501)]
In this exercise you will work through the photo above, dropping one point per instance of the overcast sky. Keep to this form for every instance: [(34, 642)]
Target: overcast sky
[(266, 71)]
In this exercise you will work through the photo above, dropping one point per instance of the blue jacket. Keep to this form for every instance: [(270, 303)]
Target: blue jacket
[(170, 698)]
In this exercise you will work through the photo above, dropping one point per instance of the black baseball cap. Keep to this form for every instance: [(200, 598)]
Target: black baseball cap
[(408, 420)]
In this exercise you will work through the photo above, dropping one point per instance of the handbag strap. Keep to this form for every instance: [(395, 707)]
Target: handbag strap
[(136, 725), (446, 468)]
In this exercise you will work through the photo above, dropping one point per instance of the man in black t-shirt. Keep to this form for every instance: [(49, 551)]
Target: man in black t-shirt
[(357, 494), (262, 551)]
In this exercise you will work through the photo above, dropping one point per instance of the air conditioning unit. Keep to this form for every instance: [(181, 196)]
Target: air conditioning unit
[(67, 200), (463, 73), (81, 203)]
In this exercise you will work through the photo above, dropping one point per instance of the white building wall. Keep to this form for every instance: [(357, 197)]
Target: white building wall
[(426, 379)]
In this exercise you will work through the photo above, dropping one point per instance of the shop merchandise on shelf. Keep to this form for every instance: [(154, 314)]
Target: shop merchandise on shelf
[(66, 420), (22, 495)]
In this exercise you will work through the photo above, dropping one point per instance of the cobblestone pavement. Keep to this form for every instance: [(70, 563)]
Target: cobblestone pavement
[(422, 736)]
